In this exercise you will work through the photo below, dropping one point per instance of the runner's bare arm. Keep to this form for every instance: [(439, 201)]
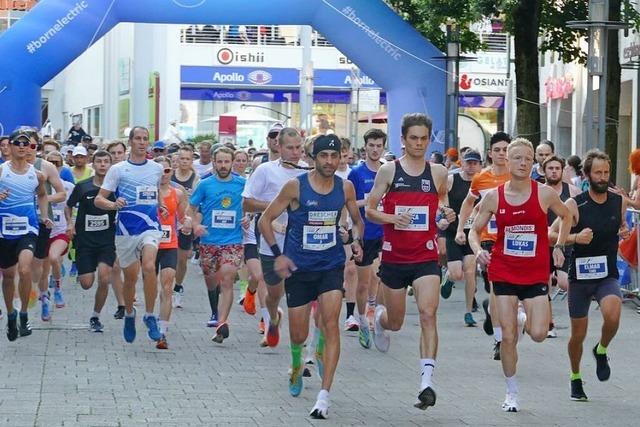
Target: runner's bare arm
[(486, 209), (624, 229), (253, 206), (102, 201), (552, 201), (288, 195), (43, 202), (466, 209), (441, 181), (381, 185), (358, 224), (53, 177)]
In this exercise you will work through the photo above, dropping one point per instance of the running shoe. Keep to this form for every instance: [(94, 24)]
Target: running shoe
[(58, 299), (510, 403), (306, 373), (261, 326), (12, 326), (468, 320), (320, 410), (410, 290), (426, 398), (364, 337), (129, 331), (552, 333), (25, 326), (213, 321), (52, 282), (221, 333), (351, 324), (33, 298), (95, 325), (73, 271), (522, 320), (381, 337), (152, 324), (195, 261), (249, 303), (177, 299), (577, 392), (370, 315), (496, 350), (320, 364), (63, 270), (162, 343), (487, 325), (263, 342), (603, 371), (446, 287), (273, 333), (119, 314), (295, 381), (45, 308)]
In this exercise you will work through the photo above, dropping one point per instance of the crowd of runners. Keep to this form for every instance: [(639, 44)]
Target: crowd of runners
[(298, 221)]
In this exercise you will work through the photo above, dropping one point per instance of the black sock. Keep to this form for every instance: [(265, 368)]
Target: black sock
[(121, 307), (350, 307), (213, 300), (177, 288)]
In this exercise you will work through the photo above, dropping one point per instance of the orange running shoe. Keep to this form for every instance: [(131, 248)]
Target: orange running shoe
[(161, 344), (249, 302), (273, 333), (33, 298)]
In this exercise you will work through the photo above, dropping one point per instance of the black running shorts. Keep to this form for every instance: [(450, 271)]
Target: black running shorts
[(304, 287), (87, 259), (10, 249), (370, 251), (166, 258), (399, 276), (581, 294), (42, 242), (523, 292)]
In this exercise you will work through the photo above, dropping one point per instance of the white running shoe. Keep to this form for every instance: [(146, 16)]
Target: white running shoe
[(381, 337), (177, 299), (522, 320), (320, 410), (552, 333), (510, 403), (351, 324)]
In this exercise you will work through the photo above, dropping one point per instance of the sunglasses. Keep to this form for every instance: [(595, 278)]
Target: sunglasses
[(22, 143), (273, 135), (158, 150), (167, 170)]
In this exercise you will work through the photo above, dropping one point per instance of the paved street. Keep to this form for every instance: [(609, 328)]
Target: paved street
[(65, 375)]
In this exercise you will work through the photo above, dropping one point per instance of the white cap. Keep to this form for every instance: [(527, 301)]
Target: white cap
[(66, 149), (80, 151)]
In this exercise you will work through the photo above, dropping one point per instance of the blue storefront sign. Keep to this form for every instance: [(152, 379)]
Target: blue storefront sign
[(204, 76), (266, 95)]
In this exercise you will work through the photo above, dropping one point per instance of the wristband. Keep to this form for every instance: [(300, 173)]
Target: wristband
[(276, 250), (350, 240)]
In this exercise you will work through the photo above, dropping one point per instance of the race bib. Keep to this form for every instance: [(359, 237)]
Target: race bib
[(588, 268), (492, 227), (468, 224), (380, 207), (318, 238), (223, 219), (420, 220), (96, 222), (58, 215), (15, 225), (166, 234), (520, 244), (322, 217), (146, 195)]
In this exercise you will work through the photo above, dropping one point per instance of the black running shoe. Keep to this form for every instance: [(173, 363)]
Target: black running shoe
[(119, 314), (474, 307), (496, 350), (446, 288), (95, 325), (426, 398), (25, 327), (487, 325), (603, 371), (577, 392), (12, 328), (221, 333), (306, 373)]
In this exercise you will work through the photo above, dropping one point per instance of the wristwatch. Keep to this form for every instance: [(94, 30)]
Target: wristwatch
[(558, 246)]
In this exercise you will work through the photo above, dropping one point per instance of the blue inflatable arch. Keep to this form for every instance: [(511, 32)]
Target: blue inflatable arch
[(385, 47)]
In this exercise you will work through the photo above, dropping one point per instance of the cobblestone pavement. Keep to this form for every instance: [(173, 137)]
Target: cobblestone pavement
[(65, 375)]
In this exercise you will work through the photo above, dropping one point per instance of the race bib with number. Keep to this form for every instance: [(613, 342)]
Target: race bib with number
[(318, 238), (96, 222), (58, 215), (15, 225), (520, 244), (492, 227), (166, 234), (420, 220), (223, 219), (146, 195), (588, 268)]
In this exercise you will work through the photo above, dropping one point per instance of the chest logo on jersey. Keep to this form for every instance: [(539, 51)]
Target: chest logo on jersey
[(400, 185), (502, 211), (226, 202), (426, 185), (311, 203), (518, 212), (322, 217)]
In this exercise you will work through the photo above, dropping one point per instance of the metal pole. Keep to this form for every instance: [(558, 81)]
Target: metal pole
[(306, 81), (602, 96), (589, 112)]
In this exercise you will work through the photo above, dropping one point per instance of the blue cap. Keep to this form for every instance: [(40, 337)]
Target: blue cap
[(159, 144)]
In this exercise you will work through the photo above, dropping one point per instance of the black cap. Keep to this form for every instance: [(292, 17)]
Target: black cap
[(327, 142)]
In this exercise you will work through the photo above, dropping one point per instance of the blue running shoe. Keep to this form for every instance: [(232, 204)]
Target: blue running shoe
[(52, 282), (320, 365), (45, 310), (152, 325), (364, 337), (295, 381), (58, 299), (63, 270), (73, 272), (130, 328), (213, 322)]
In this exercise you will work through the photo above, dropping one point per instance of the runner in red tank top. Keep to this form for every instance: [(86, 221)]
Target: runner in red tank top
[(519, 262), (415, 195), (173, 207)]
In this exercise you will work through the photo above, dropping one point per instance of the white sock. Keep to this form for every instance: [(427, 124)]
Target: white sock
[(497, 333), (512, 385), (323, 395), (426, 366), (164, 326), (95, 314), (265, 315), (363, 320), (148, 315)]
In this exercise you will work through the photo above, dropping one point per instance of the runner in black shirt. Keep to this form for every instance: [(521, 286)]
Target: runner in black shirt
[(94, 236)]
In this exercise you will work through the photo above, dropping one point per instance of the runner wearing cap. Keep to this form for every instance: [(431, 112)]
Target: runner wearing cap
[(313, 260), (414, 201), (159, 149), (19, 183), (461, 263), (81, 170)]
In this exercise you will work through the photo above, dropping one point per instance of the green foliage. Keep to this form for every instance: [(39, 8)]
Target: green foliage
[(200, 138)]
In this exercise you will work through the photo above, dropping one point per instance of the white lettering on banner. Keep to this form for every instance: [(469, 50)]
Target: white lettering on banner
[(363, 80), (15, 225), (228, 77), (62, 22), (96, 222), (318, 238), (385, 45), (589, 268)]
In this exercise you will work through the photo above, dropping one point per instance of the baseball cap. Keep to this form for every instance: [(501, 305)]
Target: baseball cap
[(276, 127), (472, 155), (66, 149), (159, 145), (79, 151), (327, 142)]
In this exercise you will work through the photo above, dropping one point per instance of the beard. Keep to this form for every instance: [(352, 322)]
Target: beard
[(223, 173), (552, 182), (599, 187)]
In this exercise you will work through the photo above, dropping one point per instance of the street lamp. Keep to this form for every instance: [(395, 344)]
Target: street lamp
[(599, 26)]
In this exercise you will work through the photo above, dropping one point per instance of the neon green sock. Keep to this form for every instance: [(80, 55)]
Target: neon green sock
[(296, 356), (600, 349), (576, 376), (320, 345)]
